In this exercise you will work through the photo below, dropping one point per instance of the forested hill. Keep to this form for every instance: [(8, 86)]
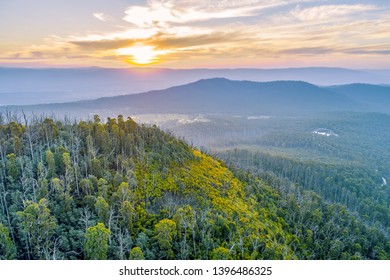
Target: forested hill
[(118, 190), (23, 86), (228, 97), (375, 97)]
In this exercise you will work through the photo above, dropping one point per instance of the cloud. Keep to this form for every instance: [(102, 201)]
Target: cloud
[(372, 52), (246, 31), (168, 41), (361, 50), (369, 50), (51, 47), (104, 44), (101, 16), (163, 14), (164, 41), (328, 12), (310, 51)]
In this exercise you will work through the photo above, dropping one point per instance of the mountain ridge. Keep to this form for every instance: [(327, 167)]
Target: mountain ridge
[(224, 96), (27, 86)]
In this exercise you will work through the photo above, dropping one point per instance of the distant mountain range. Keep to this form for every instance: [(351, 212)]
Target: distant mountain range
[(20, 86), (370, 97), (223, 96)]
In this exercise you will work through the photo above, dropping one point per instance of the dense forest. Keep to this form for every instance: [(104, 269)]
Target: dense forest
[(118, 190)]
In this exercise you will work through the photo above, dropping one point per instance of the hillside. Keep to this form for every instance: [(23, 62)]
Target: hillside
[(23, 86), (226, 97), (374, 97), (117, 190)]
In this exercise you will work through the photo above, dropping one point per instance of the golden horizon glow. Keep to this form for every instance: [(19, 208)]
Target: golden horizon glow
[(140, 54)]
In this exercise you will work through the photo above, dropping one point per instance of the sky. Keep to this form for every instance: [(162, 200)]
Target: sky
[(195, 33)]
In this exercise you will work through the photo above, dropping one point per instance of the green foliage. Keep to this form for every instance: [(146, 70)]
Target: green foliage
[(117, 190), (86, 186), (51, 166), (102, 210), (7, 247), (37, 226), (220, 253), (165, 231), (96, 242), (136, 254), (12, 167)]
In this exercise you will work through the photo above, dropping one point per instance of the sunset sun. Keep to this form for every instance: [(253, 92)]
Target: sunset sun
[(140, 54)]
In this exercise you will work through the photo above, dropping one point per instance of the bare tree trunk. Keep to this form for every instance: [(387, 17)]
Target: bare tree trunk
[(4, 185), (28, 135)]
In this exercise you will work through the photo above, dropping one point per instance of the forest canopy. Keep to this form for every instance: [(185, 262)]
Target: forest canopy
[(118, 190)]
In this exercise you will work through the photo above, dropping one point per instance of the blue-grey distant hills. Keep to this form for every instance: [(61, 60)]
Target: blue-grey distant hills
[(223, 96), (370, 97), (20, 86)]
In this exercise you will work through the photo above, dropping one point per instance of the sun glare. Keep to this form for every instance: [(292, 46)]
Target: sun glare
[(140, 54)]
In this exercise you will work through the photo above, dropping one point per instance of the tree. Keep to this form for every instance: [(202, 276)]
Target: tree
[(48, 130), (86, 186), (220, 253), (38, 227), (102, 209), (103, 188), (123, 192), (51, 165), (185, 222), (69, 173), (96, 242), (42, 182), (136, 254), (96, 168), (7, 247), (165, 232), (127, 213), (144, 243), (12, 167)]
